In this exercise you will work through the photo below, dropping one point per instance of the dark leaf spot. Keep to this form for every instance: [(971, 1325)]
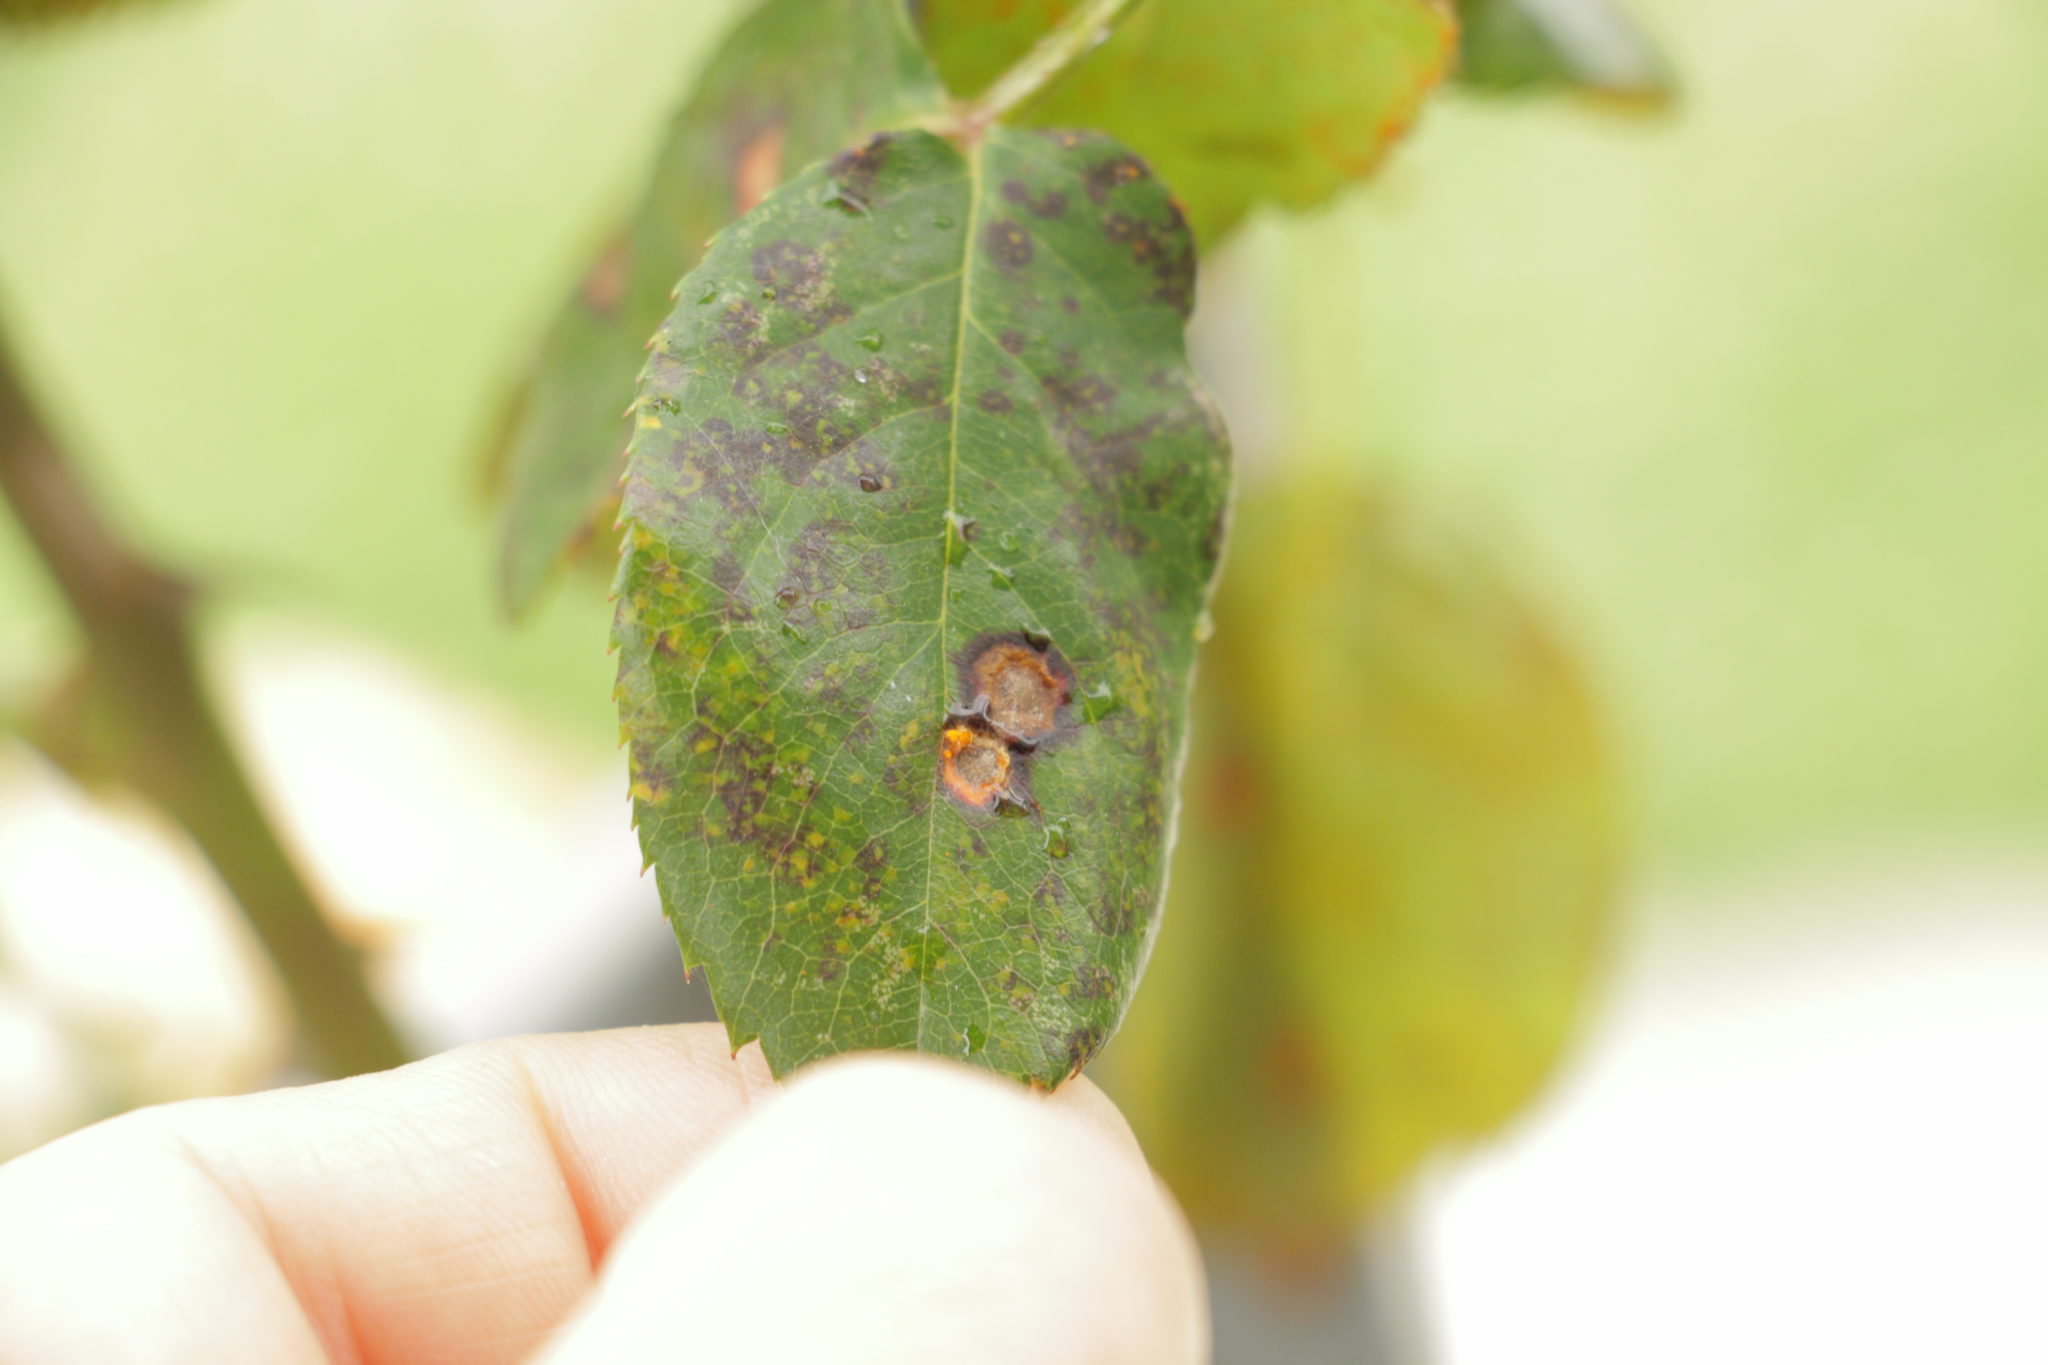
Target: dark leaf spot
[(1050, 204), (1008, 244)]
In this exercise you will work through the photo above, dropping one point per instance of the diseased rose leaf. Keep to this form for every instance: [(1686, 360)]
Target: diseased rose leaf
[(1397, 867), (1584, 45), (920, 515), (796, 81), (1234, 103)]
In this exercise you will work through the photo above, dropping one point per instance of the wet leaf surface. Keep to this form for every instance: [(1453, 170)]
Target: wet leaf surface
[(1396, 867), (797, 81), (1584, 45), (1233, 102), (922, 507)]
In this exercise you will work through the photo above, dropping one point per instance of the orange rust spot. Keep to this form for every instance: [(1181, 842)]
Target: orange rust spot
[(757, 170), (975, 767), (1025, 691)]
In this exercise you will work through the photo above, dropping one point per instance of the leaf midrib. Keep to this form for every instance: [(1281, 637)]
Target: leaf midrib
[(972, 225)]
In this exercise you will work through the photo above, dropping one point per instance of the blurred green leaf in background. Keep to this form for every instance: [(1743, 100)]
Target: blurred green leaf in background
[(1752, 390), (1233, 104), (273, 266), (794, 82), (1398, 861), (1544, 45)]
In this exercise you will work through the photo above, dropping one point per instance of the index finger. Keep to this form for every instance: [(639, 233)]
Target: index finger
[(454, 1209)]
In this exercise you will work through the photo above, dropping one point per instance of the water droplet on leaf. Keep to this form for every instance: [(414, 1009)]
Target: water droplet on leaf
[(1205, 626), (999, 578), (959, 530), (944, 220), (872, 340), (1099, 701), (869, 483), (977, 1038), (710, 294), (786, 598), (767, 291), (775, 428), (1056, 838), (836, 196)]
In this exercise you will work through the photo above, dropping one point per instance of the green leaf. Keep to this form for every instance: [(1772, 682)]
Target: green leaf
[(1398, 860), (796, 81), (1234, 103), (1588, 45), (921, 512)]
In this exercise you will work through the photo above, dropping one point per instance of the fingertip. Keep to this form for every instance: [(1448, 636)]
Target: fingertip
[(1085, 1101), (905, 1209)]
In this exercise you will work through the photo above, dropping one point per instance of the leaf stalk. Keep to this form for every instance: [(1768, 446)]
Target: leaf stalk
[(1086, 27), (166, 741)]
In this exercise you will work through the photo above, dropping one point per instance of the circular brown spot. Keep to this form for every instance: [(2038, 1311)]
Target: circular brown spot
[(1023, 687), (975, 767)]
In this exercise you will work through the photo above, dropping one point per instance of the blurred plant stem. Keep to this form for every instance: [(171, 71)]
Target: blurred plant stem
[(156, 730), (1084, 29)]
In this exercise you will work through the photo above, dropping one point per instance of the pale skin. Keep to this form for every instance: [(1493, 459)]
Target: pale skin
[(624, 1197)]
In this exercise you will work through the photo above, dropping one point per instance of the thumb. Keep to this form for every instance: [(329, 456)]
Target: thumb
[(904, 1210)]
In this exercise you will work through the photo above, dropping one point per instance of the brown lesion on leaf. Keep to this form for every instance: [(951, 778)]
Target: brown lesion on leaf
[(1013, 341), (1093, 982), (994, 401), (1008, 244), (1165, 251), (712, 458), (820, 562), (1020, 684), (1050, 204), (856, 171), (1074, 393), (1115, 914), (1113, 173), (1019, 689), (795, 279), (1080, 1047), (652, 783), (1017, 992), (740, 771), (743, 328), (975, 767)]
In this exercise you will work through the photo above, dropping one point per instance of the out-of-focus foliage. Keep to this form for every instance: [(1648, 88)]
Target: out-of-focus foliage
[(1234, 103), (796, 80), (1396, 863), (1587, 45), (333, 267), (1753, 389)]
